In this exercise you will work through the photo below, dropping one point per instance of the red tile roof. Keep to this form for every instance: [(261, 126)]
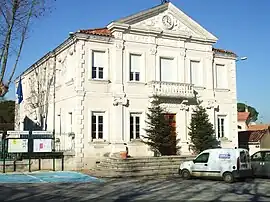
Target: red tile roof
[(99, 31), (242, 116), (217, 50), (105, 32), (252, 136), (258, 127)]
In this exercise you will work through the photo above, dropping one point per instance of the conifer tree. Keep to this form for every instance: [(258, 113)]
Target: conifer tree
[(202, 133), (160, 134)]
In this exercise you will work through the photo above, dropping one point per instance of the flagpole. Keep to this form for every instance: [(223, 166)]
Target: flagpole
[(19, 95)]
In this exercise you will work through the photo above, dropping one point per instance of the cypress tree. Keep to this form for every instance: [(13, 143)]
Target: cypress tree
[(160, 134), (202, 133)]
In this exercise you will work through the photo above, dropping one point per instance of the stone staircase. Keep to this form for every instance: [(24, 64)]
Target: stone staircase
[(139, 166)]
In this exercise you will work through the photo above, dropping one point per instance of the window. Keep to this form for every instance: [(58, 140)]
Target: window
[(135, 66), (203, 158), (168, 71), (97, 125), (221, 77), (134, 126), (257, 156), (98, 64), (267, 156), (196, 73), (221, 126), (243, 157)]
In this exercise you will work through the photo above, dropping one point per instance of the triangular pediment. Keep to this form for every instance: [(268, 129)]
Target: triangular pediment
[(168, 19)]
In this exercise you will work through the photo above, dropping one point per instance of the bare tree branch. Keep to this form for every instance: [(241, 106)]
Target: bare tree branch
[(40, 83), (15, 21), (7, 40), (22, 41)]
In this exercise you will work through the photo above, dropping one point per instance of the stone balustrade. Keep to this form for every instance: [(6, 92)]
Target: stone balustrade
[(171, 89)]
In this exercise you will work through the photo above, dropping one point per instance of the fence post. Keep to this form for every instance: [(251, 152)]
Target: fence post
[(4, 151), (53, 149), (29, 151)]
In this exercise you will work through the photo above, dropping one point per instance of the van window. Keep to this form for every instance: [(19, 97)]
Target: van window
[(267, 156), (203, 158), (257, 156), (243, 157)]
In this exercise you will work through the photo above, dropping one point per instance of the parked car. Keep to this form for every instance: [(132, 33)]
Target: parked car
[(227, 164), (260, 163)]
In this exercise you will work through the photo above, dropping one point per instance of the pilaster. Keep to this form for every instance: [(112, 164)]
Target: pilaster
[(208, 76), (151, 67), (79, 108), (118, 67), (181, 66), (212, 106)]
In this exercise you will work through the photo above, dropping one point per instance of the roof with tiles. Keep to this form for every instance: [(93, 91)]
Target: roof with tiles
[(258, 127), (252, 136), (106, 32), (221, 51), (242, 116), (98, 31)]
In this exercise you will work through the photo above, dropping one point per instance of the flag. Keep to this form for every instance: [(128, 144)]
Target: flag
[(19, 92)]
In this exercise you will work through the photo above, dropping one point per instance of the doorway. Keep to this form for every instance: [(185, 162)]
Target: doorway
[(172, 122)]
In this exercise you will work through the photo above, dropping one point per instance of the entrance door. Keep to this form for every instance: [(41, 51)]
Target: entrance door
[(172, 122)]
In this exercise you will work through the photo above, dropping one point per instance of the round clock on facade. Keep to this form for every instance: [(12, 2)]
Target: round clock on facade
[(167, 21)]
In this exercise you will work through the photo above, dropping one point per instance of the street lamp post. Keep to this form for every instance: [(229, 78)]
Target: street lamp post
[(241, 58)]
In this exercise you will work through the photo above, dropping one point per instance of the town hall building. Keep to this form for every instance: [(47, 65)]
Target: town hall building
[(94, 88)]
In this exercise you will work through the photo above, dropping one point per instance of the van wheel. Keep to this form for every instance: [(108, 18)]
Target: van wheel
[(185, 174), (228, 177)]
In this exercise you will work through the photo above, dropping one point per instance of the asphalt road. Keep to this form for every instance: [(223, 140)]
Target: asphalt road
[(140, 189)]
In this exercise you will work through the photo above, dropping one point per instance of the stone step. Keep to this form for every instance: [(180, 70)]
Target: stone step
[(136, 168), (137, 164), (127, 161), (140, 166), (148, 159)]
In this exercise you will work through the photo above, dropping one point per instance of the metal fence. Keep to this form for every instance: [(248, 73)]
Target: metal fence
[(64, 142)]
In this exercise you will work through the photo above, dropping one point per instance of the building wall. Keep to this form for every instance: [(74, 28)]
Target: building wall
[(265, 142), (78, 95), (100, 94), (243, 125)]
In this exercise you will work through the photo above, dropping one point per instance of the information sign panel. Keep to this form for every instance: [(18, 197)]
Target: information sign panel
[(17, 145), (42, 145)]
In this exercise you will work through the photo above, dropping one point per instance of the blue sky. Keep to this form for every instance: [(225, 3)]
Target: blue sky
[(241, 26)]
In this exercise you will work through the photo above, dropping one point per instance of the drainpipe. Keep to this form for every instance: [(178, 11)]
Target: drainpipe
[(54, 85), (214, 94)]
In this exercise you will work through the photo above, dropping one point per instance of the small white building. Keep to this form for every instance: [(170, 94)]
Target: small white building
[(106, 77)]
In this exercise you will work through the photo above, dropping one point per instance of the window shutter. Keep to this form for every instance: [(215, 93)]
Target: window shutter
[(168, 70), (98, 59), (221, 76), (135, 63), (196, 73)]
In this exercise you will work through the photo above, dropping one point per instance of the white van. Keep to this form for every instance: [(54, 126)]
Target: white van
[(228, 164)]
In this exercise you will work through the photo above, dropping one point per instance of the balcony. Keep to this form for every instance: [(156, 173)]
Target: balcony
[(171, 89)]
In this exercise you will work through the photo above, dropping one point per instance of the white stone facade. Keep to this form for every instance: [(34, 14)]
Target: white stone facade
[(107, 76)]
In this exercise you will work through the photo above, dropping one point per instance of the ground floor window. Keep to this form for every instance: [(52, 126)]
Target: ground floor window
[(221, 126), (97, 125), (134, 123)]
